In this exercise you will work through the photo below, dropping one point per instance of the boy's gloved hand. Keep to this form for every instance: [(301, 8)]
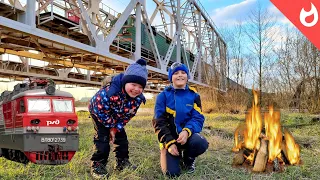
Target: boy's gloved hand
[(173, 150), (183, 137), (113, 132)]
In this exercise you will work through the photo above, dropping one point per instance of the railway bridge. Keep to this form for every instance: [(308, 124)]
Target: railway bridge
[(84, 41)]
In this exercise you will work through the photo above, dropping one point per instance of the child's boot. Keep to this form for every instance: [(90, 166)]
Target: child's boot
[(98, 170), (123, 163)]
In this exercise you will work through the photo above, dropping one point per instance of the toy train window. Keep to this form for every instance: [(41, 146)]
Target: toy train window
[(39, 105), (60, 105), (22, 107)]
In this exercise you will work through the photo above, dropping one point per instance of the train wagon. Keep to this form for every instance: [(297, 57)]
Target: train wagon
[(128, 33), (38, 123)]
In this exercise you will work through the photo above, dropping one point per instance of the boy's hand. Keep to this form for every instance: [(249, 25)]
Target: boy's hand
[(183, 137), (173, 150), (113, 132)]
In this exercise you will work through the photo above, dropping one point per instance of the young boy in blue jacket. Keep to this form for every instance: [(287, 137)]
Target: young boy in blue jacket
[(178, 120), (111, 108)]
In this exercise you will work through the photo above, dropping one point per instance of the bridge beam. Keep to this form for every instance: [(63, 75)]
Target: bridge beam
[(25, 74), (41, 56)]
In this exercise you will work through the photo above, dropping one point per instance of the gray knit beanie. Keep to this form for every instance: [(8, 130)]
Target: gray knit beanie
[(136, 73)]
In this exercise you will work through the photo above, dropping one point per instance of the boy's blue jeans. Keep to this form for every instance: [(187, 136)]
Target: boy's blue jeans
[(195, 146), (101, 142)]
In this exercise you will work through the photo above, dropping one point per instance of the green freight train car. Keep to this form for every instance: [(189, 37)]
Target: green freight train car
[(128, 35)]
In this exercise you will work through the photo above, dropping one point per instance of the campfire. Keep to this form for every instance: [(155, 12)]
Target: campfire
[(264, 146)]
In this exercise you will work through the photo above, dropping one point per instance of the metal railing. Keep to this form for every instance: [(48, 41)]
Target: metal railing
[(206, 14), (108, 9), (129, 47)]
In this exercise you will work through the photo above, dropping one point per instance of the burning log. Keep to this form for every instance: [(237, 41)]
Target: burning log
[(241, 155), (284, 153), (262, 157), (238, 158), (251, 157)]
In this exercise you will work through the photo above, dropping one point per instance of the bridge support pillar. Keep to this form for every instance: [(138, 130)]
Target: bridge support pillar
[(137, 53), (31, 13), (25, 62), (88, 75), (63, 73)]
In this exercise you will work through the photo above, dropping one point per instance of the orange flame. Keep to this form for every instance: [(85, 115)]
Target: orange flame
[(273, 133), (251, 130), (237, 145), (237, 133), (292, 149), (254, 125)]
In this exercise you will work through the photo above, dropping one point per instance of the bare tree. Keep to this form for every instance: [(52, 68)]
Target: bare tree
[(261, 38), (237, 52), (234, 39), (298, 64), (286, 60)]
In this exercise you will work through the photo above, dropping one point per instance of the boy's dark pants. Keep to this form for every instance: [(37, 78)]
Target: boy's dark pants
[(195, 146), (102, 146)]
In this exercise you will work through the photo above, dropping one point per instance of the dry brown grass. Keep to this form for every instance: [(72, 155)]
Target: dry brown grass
[(144, 151)]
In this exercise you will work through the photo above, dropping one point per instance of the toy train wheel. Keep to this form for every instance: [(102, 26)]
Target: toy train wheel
[(10, 154), (13, 154), (22, 158)]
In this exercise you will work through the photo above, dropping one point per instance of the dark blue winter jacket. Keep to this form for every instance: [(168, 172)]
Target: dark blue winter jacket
[(177, 110), (112, 106)]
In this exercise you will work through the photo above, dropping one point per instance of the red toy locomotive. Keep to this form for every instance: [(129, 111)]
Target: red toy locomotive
[(38, 123)]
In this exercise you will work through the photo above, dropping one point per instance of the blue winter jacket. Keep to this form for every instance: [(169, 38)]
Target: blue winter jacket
[(177, 110), (112, 106)]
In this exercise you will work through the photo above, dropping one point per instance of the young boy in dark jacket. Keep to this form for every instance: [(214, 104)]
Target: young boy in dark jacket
[(111, 108), (178, 120)]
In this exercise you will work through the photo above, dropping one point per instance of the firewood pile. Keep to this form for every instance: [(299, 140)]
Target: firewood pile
[(261, 144)]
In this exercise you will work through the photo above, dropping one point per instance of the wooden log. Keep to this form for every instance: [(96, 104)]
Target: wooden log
[(284, 159), (284, 152), (262, 157), (238, 158)]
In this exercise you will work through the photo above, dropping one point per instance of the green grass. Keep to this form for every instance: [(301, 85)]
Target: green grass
[(144, 152)]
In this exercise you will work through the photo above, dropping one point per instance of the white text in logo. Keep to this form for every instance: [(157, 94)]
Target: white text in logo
[(53, 122)]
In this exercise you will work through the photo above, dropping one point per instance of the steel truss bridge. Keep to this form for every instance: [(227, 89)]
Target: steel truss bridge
[(82, 41)]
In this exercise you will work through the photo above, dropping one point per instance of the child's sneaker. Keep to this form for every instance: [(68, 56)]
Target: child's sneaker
[(123, 163), (98, 170), (189, 165)]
